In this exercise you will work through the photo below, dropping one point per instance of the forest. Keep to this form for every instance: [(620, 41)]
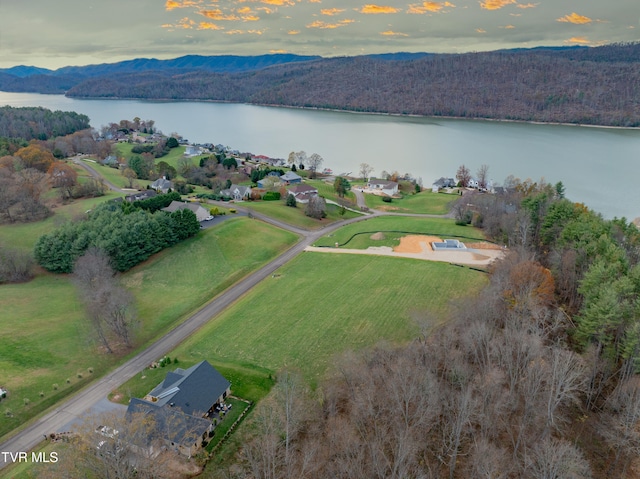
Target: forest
[(29, 123), (599, 85)]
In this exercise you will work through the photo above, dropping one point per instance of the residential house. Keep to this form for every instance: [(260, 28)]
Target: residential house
[(273, 179), (181, 403), (443, 183), (140, 195), (388, 188), (237, 192), (302, 192), (162, 185), (201, 213), (193, 150), (291, 178)]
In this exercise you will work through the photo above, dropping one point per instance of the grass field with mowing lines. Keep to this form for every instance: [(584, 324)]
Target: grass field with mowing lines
[(296, 216), (429, 226), (44, 338), (320, 305)]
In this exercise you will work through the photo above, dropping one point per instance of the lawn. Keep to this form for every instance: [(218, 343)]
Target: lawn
[(45, 340), (327, 190), (25, 235), (296, 216), (112, 175), (425, 202), (395, 227), (320, 305)]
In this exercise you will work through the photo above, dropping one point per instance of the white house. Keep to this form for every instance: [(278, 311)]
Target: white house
[(388, 188), (302, 192), (237, 192)]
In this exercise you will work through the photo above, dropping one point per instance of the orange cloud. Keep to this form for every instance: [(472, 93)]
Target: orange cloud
[(508, 27), (266, 10), (579, 40), (279, 3), (331, 11), (390, 33), (376, 9), (244, 10), (575, 19), (293, 32), (527, 5), (329, 26), (250, 18), (217, 15), (278, 51), (184, 23), (234, 32), (209, 26), (256, 32), (496, 4), (481, 30), (173, 4), (428, 7)]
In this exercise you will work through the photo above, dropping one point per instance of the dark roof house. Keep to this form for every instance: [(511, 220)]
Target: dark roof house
[(302, 192)]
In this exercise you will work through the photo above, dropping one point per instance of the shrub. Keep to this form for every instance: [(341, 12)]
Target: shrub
[(55, 387), (68, 381), (232, 210), (79, 375), (291, 201), (90, 370), (8, 413), (41, 394), (271, 196), (386, 199), (26, 401)]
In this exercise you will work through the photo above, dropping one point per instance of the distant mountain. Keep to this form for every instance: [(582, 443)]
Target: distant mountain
[(22, 71)]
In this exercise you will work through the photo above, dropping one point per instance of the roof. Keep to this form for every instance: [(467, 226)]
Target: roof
[(383, 183), (172, 423), (193, 390), (197, 208), (302, 189), (290, 176), (242, 190), (141, 195), (162, 183)]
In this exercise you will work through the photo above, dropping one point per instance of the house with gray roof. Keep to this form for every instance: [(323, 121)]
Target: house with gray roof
[(291, 178), (442, 183), (201, 213), (162, 184), (388, 188), (237, 192), (302, 192)]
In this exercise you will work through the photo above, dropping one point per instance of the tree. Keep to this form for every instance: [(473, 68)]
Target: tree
[(463, 175), (483, 176), (16, 266), (365, 170), (35, 156), (291, 201), (315, 162), (341, 185), (172, 142), (130, 175), (316, 207), (63, 177)]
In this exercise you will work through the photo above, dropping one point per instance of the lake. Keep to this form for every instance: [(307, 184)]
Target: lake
[(598, 166)]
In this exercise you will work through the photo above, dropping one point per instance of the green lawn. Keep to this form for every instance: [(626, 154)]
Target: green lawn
[(25, 235), (327, 190), (45, 340), (425, 202), (320, 305), (296, 216), (113, 175), (395, 227)]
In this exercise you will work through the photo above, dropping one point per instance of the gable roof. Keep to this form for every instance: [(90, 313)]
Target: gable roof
[(290, 176), (302, 189), (162, 183), (197, 208), (191, 390), (241, 190), (383, 184)]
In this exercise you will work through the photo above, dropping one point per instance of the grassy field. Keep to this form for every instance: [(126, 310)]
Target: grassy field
[(25, 235), (387, 224), (425, 202), (320, 305), (45, 340), (112, 175), (296, 216), (326, 189)]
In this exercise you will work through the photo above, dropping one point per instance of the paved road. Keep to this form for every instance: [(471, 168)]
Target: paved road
[(78, 161), (88, 397)]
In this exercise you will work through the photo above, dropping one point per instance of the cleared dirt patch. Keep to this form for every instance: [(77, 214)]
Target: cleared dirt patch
[(378, 236), (415, 243), (482, 245)]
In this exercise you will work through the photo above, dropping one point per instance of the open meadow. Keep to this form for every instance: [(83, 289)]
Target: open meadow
[(296, 216), (425, 202), (319, 306), (47, 346)]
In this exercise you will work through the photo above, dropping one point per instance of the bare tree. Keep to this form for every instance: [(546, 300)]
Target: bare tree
[(622, 423), (463, 175), (130, 175), (315, 162), (316, 207), (556, 459), (16, 266), (483, 176), (365, 170)]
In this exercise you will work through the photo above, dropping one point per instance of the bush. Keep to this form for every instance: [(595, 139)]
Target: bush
[(55, 387), (232, 210), (386, 199), (291, 201), (41, 394), (271, 196)]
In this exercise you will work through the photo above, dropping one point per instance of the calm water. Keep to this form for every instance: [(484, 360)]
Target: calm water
[(599, 166)]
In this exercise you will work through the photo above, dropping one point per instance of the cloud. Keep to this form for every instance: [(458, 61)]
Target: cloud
[(250, 18), (508, 27), (481, 30), (235, 32), (278, 3), (293, 32), (209, 26), (278, 51), (377, 9), (390, 33), (329, 26), (331, 11), (579, 40), (184, 24), (496, 4), (575, 19), (244, 10), (256, 32), (218, 15), (173, 4), (527, 5), (428, 7)]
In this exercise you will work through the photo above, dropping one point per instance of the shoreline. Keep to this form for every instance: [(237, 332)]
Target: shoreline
[(336, 110)]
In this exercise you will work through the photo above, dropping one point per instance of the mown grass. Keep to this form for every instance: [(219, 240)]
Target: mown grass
[(320, 305), (327, 190), (394, 227), (24, 235), (45, 338), (113, 175), (425, 202), (296, 216)]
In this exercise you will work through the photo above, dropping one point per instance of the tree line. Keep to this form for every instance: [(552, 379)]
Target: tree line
[(39, 123), (128, 238), (591, 86)]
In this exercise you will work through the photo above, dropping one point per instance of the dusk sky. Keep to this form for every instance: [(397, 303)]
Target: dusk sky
[(53, 34)]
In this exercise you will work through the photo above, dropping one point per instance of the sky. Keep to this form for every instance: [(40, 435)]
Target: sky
[(57, 33)]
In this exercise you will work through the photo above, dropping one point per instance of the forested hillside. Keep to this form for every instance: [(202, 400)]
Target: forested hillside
[(586, 86), (31, 123)]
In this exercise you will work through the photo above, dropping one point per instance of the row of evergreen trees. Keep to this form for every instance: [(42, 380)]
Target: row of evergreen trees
[(127, 237)]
